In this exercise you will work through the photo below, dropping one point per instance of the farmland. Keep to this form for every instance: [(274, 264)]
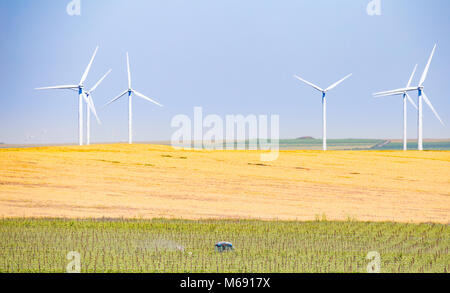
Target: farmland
[(333, 144), (316, 144), (434, 145), (362, 144), (149, 181), (150, 208), (105, 245), (313, 144), (351, 144)]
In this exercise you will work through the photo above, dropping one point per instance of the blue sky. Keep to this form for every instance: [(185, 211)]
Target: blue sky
[(228, 56)]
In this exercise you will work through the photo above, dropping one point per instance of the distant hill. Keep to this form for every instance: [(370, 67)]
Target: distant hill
[(306, 137)]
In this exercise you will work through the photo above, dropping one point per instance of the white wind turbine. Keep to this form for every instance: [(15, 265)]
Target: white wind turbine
[(130, 92), (81, 96), (422, 97), (88, 115), (324, 103), (405, 97)]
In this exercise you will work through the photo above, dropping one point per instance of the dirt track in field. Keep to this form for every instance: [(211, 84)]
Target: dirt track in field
[(148, 181)]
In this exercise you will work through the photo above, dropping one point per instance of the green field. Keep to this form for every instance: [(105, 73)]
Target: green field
[(28, 245), (307, 144), (360, 144), (350, 144), (431, 146), (333, 144)]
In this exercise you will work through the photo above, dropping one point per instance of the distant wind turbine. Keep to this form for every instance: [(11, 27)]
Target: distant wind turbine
[(422, 97), (81, 96), (130, 92), (88, 115), (405, 97), (324, 103)]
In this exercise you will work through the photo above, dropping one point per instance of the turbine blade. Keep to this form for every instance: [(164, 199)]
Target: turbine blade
[(309, 83), (411, 101), (397, 91), (129, 73), (92, 107), (88, 68), (147, 98), (85, 98), (388, 94), (412, 75), (425, 72), (100, 81), (58, 87), (116, 98), (337, 83), (425, 98)]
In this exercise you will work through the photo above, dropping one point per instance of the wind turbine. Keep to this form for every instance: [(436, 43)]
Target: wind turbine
[(88, 115), (130, 92), (81, 97), (405, 97), (422, 97), (324, 103)]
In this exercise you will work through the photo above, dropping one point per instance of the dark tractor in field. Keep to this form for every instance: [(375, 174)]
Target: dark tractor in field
[(223, 246)]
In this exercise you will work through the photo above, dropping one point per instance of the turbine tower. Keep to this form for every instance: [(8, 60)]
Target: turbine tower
[(130, 92), (81, 97), (405, 97), (88, 115), (422, 97), (324, 103)]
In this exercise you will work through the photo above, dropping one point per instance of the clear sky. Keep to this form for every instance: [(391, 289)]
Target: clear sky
[(228, 56)]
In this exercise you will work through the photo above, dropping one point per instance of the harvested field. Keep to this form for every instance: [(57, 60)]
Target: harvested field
[(150, 181)]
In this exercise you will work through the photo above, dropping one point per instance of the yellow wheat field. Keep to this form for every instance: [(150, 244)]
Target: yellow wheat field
[(148, 181)]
